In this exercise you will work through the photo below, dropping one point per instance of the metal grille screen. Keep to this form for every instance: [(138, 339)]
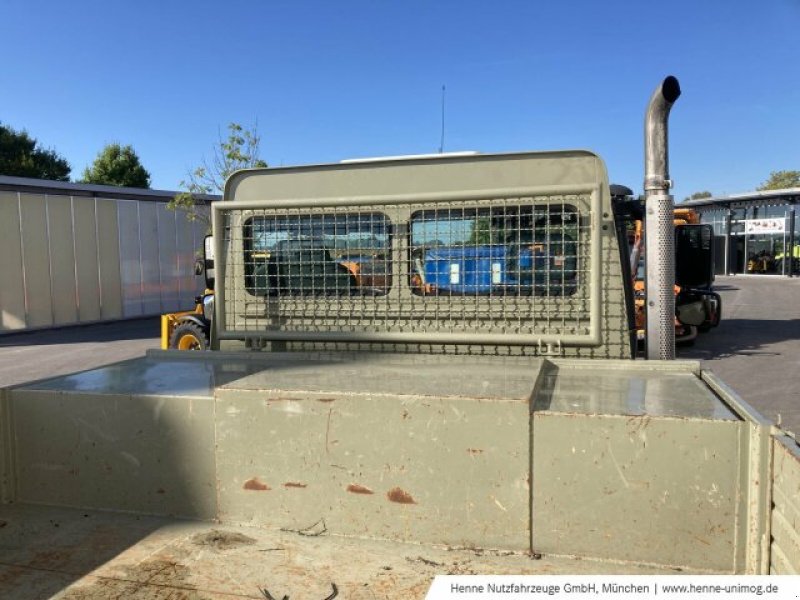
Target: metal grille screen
[(510, 270)]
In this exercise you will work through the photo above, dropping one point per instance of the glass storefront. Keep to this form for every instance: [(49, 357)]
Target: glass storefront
[(755, 238)]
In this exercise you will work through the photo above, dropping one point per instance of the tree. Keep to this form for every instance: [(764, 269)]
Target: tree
[(698, 195), (21, 156), (483, 233), (779, 180), (240, 150), (117, 165)]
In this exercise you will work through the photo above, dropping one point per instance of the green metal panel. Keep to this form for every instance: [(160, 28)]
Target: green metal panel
[(36, 257), (86, 259), (171, 376), (7, 477), (400, 320), (638, 461), (636, 488), (785, 547), (436, 176), (12, 292), (755, 471), (148, 454), (62, 260), (434, 449), (108, 254), (652, 388), (390, 449)]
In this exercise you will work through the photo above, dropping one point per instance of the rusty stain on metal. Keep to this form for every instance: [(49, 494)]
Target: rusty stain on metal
[(256, 485), (294, 484), (475, 451), (400, 496), (325, 399), (355, 488)]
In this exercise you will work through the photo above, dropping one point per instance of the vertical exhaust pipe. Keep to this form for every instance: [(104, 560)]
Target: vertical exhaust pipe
[(659, 224)]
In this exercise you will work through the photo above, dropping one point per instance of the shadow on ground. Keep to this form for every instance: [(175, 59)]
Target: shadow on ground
[(743, 337), (134, 329)]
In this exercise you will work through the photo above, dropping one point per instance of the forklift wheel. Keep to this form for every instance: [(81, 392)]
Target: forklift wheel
[(188, 336)]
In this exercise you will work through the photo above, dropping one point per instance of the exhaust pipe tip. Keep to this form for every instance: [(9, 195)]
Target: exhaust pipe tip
[(670, 89), (655, 135), (660, 228)]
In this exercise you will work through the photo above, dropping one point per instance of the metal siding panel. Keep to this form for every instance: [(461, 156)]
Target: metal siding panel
[(185, 259), (86, 262), (12, 292), (37, 260), (130, 258), (148, 238), (108, 245), (168, 259), (62, 260)]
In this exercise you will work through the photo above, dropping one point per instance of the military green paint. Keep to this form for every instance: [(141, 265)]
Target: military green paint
[(146, 454), (636, 488), (382, 459), (785, 547), (397, 187)]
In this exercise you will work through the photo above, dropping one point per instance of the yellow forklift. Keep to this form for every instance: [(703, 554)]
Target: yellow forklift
[(191, 329)]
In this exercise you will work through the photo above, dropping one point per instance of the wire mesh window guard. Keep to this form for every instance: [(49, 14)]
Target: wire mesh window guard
[(523, 250), (514, 270), (317, 255)]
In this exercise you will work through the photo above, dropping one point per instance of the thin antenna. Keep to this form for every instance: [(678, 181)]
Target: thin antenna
[(441, 141)]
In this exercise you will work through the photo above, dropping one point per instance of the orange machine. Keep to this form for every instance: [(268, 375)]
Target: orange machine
[(697, 309)]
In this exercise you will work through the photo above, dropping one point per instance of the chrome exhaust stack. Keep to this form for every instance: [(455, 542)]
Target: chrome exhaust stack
[(659, 225)]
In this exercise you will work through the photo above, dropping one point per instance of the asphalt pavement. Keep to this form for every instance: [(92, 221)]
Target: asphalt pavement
[(755, 349), (50, 352)]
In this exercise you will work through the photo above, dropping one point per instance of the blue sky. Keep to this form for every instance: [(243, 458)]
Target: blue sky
[(333, 80)]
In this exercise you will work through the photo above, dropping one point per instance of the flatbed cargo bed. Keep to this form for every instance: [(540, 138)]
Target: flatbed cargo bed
[(424, 464)]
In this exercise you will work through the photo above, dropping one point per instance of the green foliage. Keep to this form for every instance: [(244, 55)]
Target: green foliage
[(21, 156), (698, 195), (779, 180), (117, 165), (240, 150), (483, 233)]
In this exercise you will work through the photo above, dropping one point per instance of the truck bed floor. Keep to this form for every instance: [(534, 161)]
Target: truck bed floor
[(66, 553)]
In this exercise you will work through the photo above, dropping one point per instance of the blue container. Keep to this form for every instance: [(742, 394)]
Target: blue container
[(548, 266), (466, 269)]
